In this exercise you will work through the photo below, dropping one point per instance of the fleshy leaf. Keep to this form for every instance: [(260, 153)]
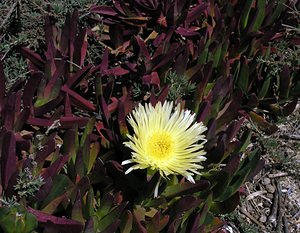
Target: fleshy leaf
[(185, 188), (64, 225), (8, 158)]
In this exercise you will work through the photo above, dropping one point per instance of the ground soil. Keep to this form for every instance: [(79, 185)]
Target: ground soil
[(272, 200)]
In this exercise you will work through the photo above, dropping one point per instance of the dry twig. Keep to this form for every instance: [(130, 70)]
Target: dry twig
[(248, 215), (280, 208), (273, 214), (285, 225), (280, 174)]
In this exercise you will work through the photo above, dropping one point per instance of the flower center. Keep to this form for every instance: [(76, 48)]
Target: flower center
[(160, 146)]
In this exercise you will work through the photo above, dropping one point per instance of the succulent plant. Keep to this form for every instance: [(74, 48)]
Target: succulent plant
[(68, 127)]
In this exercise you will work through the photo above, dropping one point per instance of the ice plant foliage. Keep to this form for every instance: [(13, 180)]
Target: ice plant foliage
[(168, 141)]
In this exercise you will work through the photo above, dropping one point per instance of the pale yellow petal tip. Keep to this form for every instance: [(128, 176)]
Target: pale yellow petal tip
[(165, 140)]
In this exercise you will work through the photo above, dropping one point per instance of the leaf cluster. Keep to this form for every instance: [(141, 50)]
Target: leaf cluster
[(69, 117)]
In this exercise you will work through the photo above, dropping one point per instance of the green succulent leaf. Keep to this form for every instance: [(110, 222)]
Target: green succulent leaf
[(245, 13), (260, 15), (185, 188), (61, 185), (126, 222), (111, 217), (16, 219)]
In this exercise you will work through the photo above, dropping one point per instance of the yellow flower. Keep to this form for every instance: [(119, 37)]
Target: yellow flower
[(166, 140)]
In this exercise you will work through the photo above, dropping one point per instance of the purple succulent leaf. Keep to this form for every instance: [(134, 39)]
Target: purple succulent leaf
[(44, 190), (18, 85), (181, 63), (193, 223), (72, 36), (217, 153), (2, 87), (8, 158), (159, 39), (288, 108), (42, 154), (162, 60), (232, 165), (152, 78), (116, 71), (69, 121), (105, 60), (22, 119), (78, 100), (47, 107), (153, 99), (130, 66), (77, 77), (10, 190), (46, 149), (35, 59), (137, 223), (108, 134), (31, 87), (204, 111), (51, 51), (222, 87), (116, 35), (83, 185), (18, 104), (103, 10), (234, 128), (89, 226), (230, 110), (142, 48), (53, 81), (185, 203), (163, 94), (182, 8), (64, 225), (9, 111), (55, 167), (196, 11), (194, 71), (108, 91), (127, 10), (58, 112), (48, 30), (104, 110), (81, 45), (125, 106), (158, 222), (187, 32), (145, 5), (69, 30), (118, 7), (22, 143), (67, 106), (70, 145)]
